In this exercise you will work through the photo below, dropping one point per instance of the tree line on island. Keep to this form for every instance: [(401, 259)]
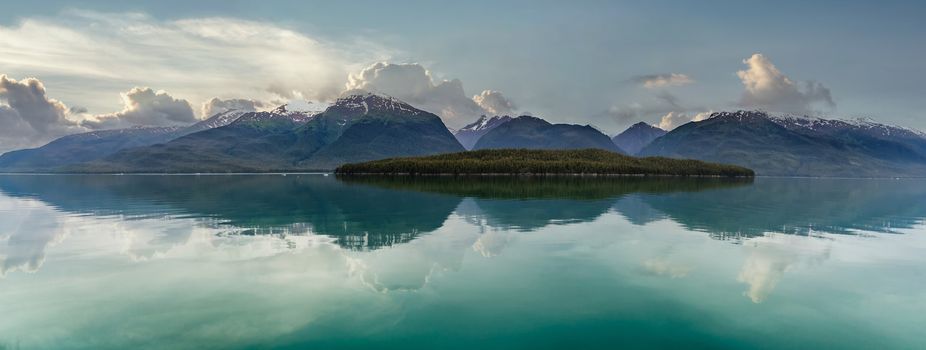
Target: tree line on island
[(542, 162)]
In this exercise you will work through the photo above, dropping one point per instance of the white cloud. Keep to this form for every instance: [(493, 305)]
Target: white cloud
[(667, 268), (144, 106), (767, 87), (414, 84), (494, 103), (654, 81), (673, 120), (216, 105), (88, 55), (28, 117)]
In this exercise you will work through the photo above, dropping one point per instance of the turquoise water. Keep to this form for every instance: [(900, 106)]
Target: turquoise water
[(311, 261)]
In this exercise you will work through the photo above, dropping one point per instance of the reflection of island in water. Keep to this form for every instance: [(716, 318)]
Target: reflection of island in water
[(364, 213), (529, 203)]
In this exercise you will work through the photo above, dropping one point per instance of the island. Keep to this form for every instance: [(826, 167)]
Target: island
[(541, 162)]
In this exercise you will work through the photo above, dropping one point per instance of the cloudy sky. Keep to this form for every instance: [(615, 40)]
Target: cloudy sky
[(71, 66)]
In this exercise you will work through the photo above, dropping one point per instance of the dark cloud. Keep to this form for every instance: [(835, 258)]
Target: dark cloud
[(28, 99), (28, 117)]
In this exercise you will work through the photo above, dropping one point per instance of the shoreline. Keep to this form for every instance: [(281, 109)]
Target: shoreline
[(278, 173)]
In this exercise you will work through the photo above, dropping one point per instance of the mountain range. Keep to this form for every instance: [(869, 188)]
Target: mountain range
[(366, 127), (354, 129), (85, 147)]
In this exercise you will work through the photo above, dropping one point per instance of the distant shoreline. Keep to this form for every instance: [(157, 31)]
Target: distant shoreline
[(530, 175), (464, 175)]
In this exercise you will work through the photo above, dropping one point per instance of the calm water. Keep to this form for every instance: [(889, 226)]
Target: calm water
[(306, 261)]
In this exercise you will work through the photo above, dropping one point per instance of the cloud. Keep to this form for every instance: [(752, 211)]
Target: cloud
[(414, 84), (28, 98), (494, 102), (767, 87), (91, 54), (144, 106), (654, 81), (664, 105), (28, 117), (215, 106), (673, 120)]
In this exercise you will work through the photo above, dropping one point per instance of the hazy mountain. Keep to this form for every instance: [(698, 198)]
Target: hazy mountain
[(471, 133), (257, 141), (355, 128), (84, 147), (636, 137), (536, 133), (797, 146)]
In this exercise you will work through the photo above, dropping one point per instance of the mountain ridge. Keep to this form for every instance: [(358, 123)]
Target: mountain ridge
[(535, 133), (790, 147)]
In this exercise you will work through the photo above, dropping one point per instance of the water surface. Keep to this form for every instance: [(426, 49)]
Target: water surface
[(311, 261)]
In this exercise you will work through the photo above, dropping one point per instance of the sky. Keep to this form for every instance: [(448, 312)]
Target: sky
[(74, 66)]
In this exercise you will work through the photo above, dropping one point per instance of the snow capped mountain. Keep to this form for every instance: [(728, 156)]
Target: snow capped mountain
[(867, 125), (217, 120), (362, 104), (279, 113), (817, 125), (740, 116), (485, 123), (470, 134), (797, 145), (300, 114)]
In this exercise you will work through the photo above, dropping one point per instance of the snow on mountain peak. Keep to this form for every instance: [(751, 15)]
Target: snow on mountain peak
[(818, 124), (486, 123), (366, 102)]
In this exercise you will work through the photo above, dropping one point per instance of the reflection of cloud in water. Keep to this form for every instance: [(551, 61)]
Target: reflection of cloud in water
[(665, 267), (27, 229), (773, 255), (142, 243)]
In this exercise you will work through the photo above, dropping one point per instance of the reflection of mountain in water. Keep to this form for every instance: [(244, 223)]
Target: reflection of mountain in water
[(793, 206), (360, 217), (370, 212)]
